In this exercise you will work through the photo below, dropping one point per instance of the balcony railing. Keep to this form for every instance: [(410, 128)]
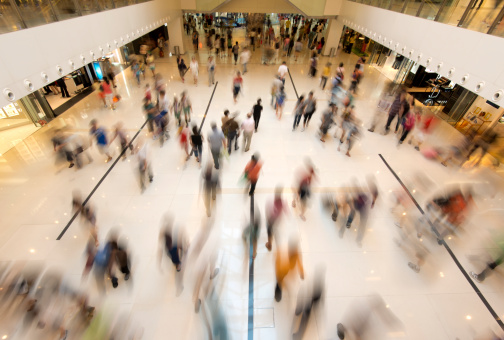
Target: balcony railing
[(20, 14), (484, 16)]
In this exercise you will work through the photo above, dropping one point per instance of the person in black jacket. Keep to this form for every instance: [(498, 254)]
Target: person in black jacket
[(62, 85)]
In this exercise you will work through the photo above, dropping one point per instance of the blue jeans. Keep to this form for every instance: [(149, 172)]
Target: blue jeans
[(297, 119), (244, 68), (198, 151)]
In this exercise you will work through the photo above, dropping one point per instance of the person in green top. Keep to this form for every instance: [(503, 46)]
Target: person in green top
[(493, 264), (150, 111)]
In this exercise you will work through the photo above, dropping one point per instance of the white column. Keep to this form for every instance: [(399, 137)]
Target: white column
[(176, 34), (334, 31)]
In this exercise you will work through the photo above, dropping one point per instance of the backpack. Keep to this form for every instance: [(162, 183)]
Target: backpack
[(102, 256)]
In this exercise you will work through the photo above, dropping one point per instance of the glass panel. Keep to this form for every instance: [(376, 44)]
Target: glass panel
[(36, 13), (65, 9), (9, 20), (453, 11), (106, 4), (499, 29), (430, 9), (397, 5), (385, 4), (88, 6), (412, 7), (482, 15)]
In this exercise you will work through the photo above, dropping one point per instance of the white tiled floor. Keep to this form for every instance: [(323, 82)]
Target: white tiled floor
[(434, 304)]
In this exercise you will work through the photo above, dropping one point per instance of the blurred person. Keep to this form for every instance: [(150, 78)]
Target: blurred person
[(313, 65), (356, 75), (327, 120), (373, 189), (101, 138), (176, 108), (79, 147), (397, 108), (230, 45), (408, 122), (223, 49), (224, 120), (298, 47), (277, 48), (282, 72), (358, 202), (186, 107), (257, 109), (217, 45), (159, 85), (148, 92), (235, 49), (310, 107), (216, 140), (232, 130), (151, 64), (384, 104), (63, 87), (326, 72), (303, 188), (103, 264), (195, 38), (194, 66), (275, 88), (298, 111), (197, 144), (483, 142), (346, 122), (291, 46), (135, 68), (120, 133), (61, 148), (286, 45), (359, 320), (106, 85), (173, 242), (248, 126), (244, 58), (460, 149), (237, 85), (161, 125), (494, 262), (252, 171), (352, 133), (184, 136), (280, 101), (340, 71), (211, 70), (150, 112), (182, 68), (285, 262), (211, 184), (274, 210), (144, 164), (251, 234), (306, 305)]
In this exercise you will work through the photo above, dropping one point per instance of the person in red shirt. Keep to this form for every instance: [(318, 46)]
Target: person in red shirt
[(252, 171)]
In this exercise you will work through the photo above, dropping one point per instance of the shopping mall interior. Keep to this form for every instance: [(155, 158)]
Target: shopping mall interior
[(360, 198)]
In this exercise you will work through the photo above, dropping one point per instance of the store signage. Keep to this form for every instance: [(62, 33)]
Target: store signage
[(98, 70), (11, 110)]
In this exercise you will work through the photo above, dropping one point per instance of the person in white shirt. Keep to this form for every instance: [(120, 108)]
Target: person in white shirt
[(282, 72), (163, 103), (194, 69), (248, 127), (244, 58)]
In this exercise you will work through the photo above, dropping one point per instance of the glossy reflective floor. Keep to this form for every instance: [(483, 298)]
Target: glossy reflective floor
[(437, 303)]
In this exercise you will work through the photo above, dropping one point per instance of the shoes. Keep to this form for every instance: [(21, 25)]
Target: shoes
[(126, 277), (151, 179), (475, 276), (268, 246), (108, 159), (71, 165)]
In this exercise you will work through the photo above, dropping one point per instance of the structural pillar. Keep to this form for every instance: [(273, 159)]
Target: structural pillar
[(176, 34), (333, 36)]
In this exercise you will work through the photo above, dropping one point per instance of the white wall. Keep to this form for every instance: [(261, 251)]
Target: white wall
[(465, 52), (259, 6), (28, 53)]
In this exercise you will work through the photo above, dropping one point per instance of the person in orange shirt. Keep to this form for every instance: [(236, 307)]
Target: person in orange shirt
[(284, 263), (251, 172)]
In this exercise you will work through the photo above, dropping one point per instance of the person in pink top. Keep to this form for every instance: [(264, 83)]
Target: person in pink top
[(108, 95)]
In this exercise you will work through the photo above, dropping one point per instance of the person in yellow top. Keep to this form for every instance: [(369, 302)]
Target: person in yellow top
[(325, 75), (284, 263)]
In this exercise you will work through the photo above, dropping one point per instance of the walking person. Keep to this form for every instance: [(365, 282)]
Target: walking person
[(211, 184), (356, 74), (358, 203), (251, 172), (291, 46), (150, 113), (177, 109), (237, 85), (310, 107), (182, 68), (326, 72), (101, 139), (123, 139), (303, 190), (194, 66), (277, 49), (274, 211), (211, 71), (197, 144), (144, 164), (396, 109), (248, 126), (216, 140), (280, 101), (257, 113), (232, 130), (408, 123), (298, 112), (195, 38), (244, 58), (186, 107), (184, 140), (285, 262), (283, 71), (298, 47), (230, 45), (236, 50), (313, 65)]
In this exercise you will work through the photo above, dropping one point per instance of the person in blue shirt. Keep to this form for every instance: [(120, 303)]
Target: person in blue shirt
[(101, 138)]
